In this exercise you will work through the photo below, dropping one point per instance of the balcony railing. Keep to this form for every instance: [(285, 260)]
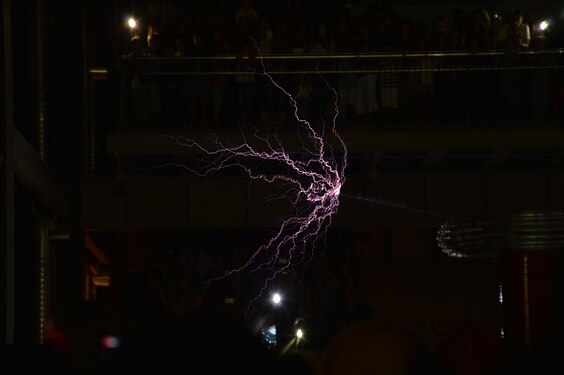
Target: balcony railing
[(382, 90)]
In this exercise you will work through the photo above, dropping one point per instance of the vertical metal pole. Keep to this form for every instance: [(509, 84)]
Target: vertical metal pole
[(87, 104), (7, 184), (44, 265), (40, 35), (526, 300), (42, 113)]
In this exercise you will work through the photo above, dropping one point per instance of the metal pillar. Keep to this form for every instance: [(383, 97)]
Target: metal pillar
[(7, 250), (527, 292), (40, 35)]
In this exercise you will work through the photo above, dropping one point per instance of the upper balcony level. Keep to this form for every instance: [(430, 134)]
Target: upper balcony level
[(447, 111), (414, 89), (430, 90)]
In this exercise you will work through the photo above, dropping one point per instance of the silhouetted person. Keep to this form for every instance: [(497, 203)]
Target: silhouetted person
[(210, 342), (371, 347), (471, 350), (182, 290), (84, 324), (516, 34), (513, 37), (192, 337), (24, 359)]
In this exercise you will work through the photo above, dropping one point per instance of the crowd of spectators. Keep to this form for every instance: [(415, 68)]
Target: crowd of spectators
[(300, 27), (385, 90)]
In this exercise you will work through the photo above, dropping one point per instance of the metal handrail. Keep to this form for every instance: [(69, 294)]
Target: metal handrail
[(180, 66), (332, 56)]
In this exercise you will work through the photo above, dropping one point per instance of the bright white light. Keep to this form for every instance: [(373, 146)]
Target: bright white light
[(276, 298), (337, 191), (299, 333), (131, 22), (544, 25)]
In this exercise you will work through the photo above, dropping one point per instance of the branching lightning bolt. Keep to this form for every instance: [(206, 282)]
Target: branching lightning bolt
[(314, 181)]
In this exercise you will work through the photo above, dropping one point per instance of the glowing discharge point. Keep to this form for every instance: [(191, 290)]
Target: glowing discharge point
[(337, 191), (312, 182), (299, 333), (543, 25)]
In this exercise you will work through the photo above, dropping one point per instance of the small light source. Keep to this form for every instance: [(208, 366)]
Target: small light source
[(131, 23), (276, 298), (543, 25), (229, 300), (299, 333), (110, 342)]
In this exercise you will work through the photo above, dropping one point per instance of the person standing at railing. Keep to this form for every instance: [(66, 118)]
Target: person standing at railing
[(512, 37), (516, 34), (481, 94), (345, 81), (218, 82), (406, 43), (199, 93), (155, 43), (366, 103), (138, 105), (280, 45), (247, 18), (422, 82), (480, 35), (245, 82), (389, 85), (321, 40), (452, 85)]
